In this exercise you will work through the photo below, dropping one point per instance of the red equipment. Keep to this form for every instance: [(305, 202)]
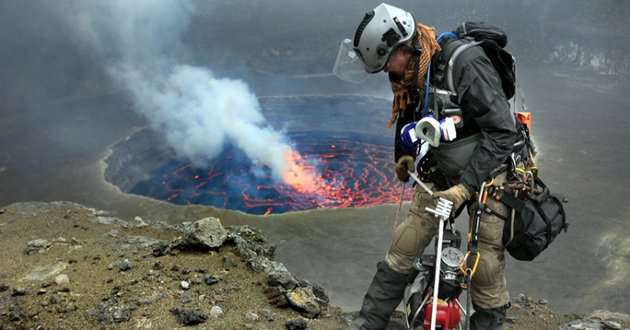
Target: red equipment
[(448, 315)]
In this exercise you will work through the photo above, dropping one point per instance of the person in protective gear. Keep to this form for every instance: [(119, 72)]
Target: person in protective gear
[(384, 41)]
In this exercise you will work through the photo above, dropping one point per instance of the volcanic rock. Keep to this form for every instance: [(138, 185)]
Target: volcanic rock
[(207, 233), (211, 279), (121, 314), (279, 275), (304, 300), (276, 295), (188, 316), (109, 311), (296, 324), (36, 245), (18, 292), (598, 320), (216, 312), (161, 249), (123, 264)]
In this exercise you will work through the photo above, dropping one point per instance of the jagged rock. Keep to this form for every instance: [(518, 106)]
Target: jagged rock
[(259, 264), (161, 248), (216, 312), (211, 279), (304, 300), (123, 264), (37, 245), (320, 293), (206, 233), (249, 242), (188, 316), (185, 285), (279, 275), (109, 312), (582, 325), (606, 315), (276, 295), (296, 324), (598, 320), (121, 314)]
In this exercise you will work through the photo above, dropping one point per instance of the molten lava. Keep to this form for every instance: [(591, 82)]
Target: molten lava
[(321, 172), (300, 176)]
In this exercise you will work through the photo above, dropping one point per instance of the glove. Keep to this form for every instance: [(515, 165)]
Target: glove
[(458, 194), (404, 164)]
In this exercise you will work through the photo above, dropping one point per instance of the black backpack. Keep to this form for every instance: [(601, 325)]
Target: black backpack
[(493, 41)]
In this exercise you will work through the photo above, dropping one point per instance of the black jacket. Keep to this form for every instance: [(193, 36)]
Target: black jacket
[(485, 109)]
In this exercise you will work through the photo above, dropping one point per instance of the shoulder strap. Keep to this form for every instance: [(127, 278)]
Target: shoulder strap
[(451, 63), (451, 50)]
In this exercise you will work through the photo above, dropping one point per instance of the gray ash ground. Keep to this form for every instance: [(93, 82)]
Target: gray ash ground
[(66, 266)]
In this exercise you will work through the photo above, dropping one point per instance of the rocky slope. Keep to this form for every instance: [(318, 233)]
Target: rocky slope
[(66, 266)]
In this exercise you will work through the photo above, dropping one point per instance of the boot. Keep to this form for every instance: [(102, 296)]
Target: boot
[(382, 297), (488, 319)]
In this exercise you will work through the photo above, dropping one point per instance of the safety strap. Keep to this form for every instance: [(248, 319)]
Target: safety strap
[(414, 82), (472, 257)]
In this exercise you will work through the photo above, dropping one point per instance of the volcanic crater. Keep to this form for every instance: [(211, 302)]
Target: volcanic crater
[(352, 162)]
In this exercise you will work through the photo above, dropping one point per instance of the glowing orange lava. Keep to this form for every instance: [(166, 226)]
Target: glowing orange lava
[(301, 176)]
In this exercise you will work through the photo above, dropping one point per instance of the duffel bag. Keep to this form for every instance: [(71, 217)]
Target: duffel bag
[(539, 218)]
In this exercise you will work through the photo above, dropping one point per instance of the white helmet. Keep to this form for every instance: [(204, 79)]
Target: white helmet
[(381, 31)]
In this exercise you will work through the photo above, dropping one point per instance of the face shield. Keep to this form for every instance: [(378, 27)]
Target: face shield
[(348, 65)]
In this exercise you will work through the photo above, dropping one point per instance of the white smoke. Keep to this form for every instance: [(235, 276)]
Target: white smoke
[(196, 111)]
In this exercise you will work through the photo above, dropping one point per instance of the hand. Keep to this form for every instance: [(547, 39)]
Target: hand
[(404, 165), (458, 194)]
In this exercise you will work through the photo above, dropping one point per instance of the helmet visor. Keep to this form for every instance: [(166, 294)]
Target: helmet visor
[(348, 65)]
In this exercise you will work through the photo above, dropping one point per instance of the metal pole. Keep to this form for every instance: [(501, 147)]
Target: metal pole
[(436, 281), (424, 186), (442, 211)]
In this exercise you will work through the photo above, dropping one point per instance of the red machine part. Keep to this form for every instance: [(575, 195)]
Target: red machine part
[(448, 315)]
